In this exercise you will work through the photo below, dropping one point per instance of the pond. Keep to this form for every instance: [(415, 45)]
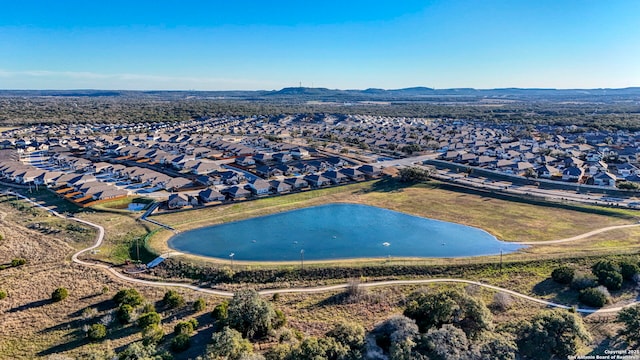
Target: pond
[(338, 231)]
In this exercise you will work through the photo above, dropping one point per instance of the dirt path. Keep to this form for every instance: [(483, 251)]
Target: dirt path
[(116, 273), (578, 237)]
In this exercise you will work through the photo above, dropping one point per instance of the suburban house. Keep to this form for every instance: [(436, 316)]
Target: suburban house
[(236, 192), (280, 187), (370, 171), (352, 174), (317, 180), (572, 173), (335, 177), (177, 201), (296, 182), (209, 195), (245, 161), (259, 186), (604, 179)]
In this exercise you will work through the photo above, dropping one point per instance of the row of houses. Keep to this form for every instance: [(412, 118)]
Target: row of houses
[(85, 185), (259, 187)]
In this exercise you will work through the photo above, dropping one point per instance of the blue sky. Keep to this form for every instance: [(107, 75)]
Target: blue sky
[(222, 45)]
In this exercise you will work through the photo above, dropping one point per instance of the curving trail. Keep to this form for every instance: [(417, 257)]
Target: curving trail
[(116, 273), (578, 237), (319, 289)]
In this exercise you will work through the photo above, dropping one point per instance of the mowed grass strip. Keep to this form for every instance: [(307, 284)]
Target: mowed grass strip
[(507, 220)]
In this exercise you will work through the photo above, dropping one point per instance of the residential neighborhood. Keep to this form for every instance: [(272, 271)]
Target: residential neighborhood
[(213, 160)]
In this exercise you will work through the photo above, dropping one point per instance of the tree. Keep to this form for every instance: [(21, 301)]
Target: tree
[(497, 346), (611, 280), (595, 297), (551, 333), (97, 332), (448, 307), (172, 299), (250, 314), (582, 281), (628, 270), (128, 296), (398, 332), (180, 343), (199, 305), (59, 294), (124, 313), (148, 319), (446, 343), (630, 318), (563, 275), (228, 344), (313, 348), (608, 274), (415, 174), (348, 334), (3, 294)]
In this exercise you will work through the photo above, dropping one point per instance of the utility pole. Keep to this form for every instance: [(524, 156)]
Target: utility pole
[(501, 261), (302, 260)]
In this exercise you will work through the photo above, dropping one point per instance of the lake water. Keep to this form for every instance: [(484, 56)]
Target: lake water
[(338, 231)]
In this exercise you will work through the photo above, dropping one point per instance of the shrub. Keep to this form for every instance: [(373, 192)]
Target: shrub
[(199, 305), (18, 261), (183, 327), (3, 294), (180, 343), (148, 319), (563, 275), (152, 334), (220, 313), (611, 279), (124, 313), (97, 332), (280, 319), (172, 299), (594, 297), (59, 294), (228, 344), (583, 281), (604, 265), (630, 318), (351, 335), (551, 334), (250, 314), (128, 296), (628, 270), (148, 307), (502, 301)]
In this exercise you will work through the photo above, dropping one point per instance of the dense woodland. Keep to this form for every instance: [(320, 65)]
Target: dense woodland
[(619, 111)]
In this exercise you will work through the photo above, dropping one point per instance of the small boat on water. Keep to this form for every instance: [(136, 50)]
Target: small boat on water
[(386, 244)]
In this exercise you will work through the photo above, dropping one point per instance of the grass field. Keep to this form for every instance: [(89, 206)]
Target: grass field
[(507, 220), (32, 326)]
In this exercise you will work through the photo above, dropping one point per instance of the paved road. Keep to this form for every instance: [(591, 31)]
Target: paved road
[(116, 273), (406, 161)]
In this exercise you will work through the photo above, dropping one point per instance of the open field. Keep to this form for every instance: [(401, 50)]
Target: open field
[(507, 220), (33, 326)]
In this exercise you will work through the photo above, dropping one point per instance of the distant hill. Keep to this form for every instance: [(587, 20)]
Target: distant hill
[(323, 94)]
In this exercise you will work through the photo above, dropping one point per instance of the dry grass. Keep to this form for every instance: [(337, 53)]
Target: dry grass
[(507, 220), (33, 326)]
